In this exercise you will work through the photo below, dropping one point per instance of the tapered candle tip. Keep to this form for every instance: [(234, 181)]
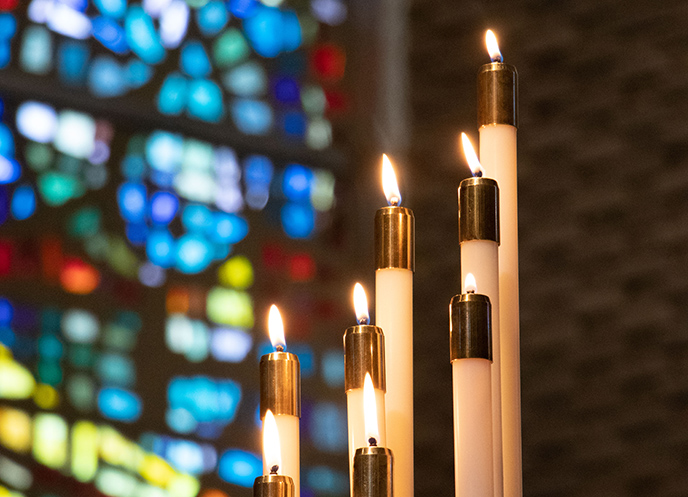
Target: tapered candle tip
[(361, 304), (471, 157), (493, 47), (271, 443), (389, 182)]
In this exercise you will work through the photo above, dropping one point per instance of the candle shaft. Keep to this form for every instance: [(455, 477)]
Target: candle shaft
[(288, 429), (472, 428), (394, 314), (480, 258), (498, 157), (356, 423)]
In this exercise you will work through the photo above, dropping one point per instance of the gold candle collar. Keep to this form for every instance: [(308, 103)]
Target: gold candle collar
[(273, 486), (478, 210), (394, 238), (280, 384), (364, 352), (497, 95)]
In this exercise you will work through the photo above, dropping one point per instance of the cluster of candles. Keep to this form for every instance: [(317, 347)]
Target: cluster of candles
[(484, 335)]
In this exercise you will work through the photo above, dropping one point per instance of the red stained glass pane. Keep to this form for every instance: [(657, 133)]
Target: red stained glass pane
[(78, 277), (328, 62), (302, 267), (8, 4), (336, 101), (6, 250)]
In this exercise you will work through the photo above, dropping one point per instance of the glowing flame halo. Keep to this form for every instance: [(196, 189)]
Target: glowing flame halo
[(389, 182), (470, 285), (361, 304), (271, 444), (276, 329), (471, 157), (493, 47), (372, 430)]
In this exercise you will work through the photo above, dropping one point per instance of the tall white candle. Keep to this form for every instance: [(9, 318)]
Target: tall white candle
[(497, 122), (471, 371), (479, 242), (280, 392), (394, 264), (364, 357)]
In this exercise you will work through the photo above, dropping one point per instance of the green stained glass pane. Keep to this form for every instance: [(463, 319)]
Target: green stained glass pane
[(122, 259), (97, 246), (313, 100), (196, 4), (197, 155), (49, 372), (309, 29), (39, 156), (81, 355), (81, 392), (119, 337), (230, 307), (69, 165), (318, 137), (58, 188), (137, 145), (230, 48), (85, 222)]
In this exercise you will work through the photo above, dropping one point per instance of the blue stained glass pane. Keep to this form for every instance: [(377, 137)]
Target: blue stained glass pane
[(185, 455), (110, 34), (291, 31), (326, 480), (240, 467), (23, 202), (287, 90), (326, 419), (243, 8), (6, 311), (258, 171), (298, 221), (164, 151), (36, 54), (252, 117), (332, 368), (119, 404), (133, 167), (72, 61), (49, 347), (131, 198), (212, 17), (207, 399), (294, 124), (162, 179), (246, 80), (194, 254), (142, 37), (137, 233), (228, 228), (7, 336), (8, 26), (116, 370), (197, 217), (194, 60), (6, 141), (205, 100), (5, 53), (160, 248), (4, 204), (164, 206), (264, 31), (306, 358), (173, 94), (112, 8), (106, 78), (10, 170), (138, 73), (296, 182)]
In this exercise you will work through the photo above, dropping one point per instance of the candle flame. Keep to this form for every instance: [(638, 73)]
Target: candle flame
[(469, 285), (276, 329), (361, 304), (370, 411), (272, 452), (389, 182), (471, 157), (493, 47)]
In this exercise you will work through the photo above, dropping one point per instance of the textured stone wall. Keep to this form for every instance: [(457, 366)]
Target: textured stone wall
[(603, 186)]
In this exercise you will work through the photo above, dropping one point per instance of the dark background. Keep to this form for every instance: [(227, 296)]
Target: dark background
[(603, 177)]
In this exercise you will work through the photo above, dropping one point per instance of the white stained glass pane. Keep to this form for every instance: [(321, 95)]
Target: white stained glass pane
[(76, 134), (37, 121)]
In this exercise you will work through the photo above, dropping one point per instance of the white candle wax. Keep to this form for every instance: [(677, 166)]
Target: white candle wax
[(356, 423), (394, 314), (480, 257), (472, 428), (288, 429), (498, 157)]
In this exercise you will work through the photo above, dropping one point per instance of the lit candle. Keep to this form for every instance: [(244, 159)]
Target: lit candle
[(373, 463), (479, 242), (471, 356), (497, 121), (364, 357), (272, 484), (280, 392), (394, 264)]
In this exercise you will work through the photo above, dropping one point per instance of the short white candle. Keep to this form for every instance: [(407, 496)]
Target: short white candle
[(471, 371), (273, 483), (479, 242), (497, 122), (364, 355), (281, 394), (394, 246)]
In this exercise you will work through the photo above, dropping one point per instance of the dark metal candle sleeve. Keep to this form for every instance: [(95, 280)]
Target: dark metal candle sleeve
[(373, 472), (470, 328), (478, 210), (497, 95), (280, 384), (273, 486), (395, 238), (364, 352)]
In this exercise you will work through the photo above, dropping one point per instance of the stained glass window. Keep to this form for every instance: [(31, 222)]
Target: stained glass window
[(167, 173)]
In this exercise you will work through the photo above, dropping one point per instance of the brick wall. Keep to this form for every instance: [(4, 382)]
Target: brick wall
[(603, 192)]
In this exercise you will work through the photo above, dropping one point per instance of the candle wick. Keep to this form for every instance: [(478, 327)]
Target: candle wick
[(274, 469), (394, 201), (279, 348), (372, 442), (478, 173), (497, 58), (363, 320), (470, 291)]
